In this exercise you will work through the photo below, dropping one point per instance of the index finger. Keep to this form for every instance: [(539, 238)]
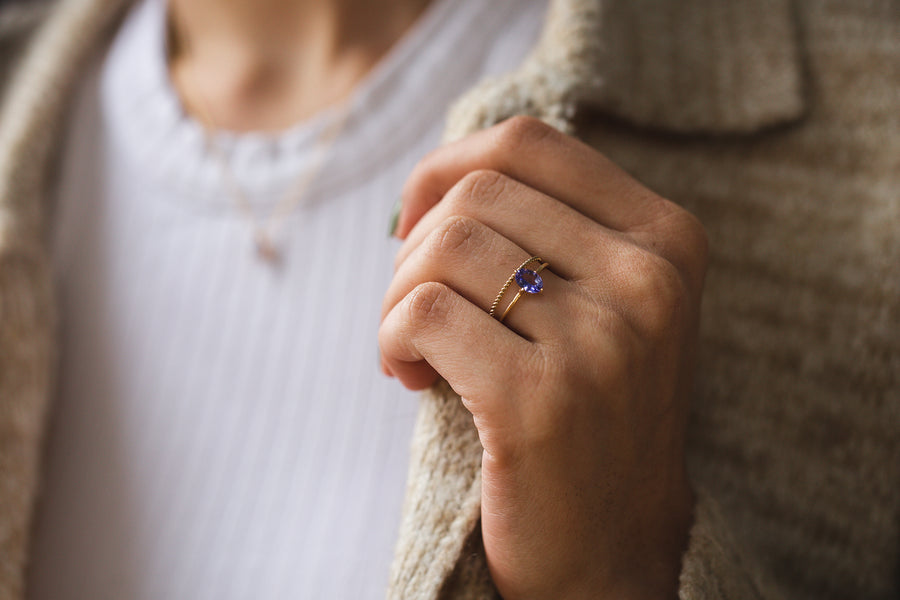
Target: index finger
[(541, 157)]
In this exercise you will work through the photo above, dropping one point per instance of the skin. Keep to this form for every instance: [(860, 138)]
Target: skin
[(265, 65), (580, 396)]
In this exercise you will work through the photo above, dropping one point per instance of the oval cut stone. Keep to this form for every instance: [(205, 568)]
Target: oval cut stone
[(529, 281)]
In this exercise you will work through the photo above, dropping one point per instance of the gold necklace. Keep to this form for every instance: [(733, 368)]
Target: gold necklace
[(265, 226)]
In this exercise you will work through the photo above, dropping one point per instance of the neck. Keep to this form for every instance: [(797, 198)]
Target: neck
[(266, 64)]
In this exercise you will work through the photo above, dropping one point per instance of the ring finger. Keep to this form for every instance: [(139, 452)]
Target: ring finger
[(476, 261)]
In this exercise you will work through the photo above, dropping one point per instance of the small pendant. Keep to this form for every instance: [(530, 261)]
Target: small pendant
[(266, 249)]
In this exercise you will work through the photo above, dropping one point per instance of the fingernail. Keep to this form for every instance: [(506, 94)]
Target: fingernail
[(395, 217)]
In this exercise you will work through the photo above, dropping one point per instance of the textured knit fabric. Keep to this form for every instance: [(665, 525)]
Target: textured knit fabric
[(222, 427), (778, 124)]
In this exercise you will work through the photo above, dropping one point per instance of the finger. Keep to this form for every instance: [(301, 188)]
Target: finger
[(475, 261), (561, 235), (538, 156), (434, 330)]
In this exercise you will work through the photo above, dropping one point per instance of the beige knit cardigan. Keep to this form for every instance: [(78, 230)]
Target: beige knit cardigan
[(778, 124)]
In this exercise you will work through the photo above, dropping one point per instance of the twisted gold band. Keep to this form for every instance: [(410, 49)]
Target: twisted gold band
[(508, 283)]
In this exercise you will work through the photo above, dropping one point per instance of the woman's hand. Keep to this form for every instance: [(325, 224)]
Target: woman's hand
[(580, 396)]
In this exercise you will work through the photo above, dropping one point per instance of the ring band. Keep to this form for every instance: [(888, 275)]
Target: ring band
[(529, 282), (538, 284)]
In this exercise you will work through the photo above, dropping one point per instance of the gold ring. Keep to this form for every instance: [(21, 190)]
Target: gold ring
[(529, 282)]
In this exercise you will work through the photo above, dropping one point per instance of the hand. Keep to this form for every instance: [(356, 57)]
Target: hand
[(580, 396)]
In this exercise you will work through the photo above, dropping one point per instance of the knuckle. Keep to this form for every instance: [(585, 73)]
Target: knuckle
[(661, 209), (657, 291), (696, 239), (522, 130), (454, 235), (428, 303), (686, 230), (475, 187)]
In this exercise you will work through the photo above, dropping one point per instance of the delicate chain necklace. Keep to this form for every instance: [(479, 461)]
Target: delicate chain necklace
[(265, 226)]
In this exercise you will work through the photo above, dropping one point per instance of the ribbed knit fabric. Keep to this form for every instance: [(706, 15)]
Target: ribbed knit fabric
[(222, 428)]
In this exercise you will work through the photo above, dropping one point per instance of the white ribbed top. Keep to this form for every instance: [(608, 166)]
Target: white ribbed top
[(222, 429)]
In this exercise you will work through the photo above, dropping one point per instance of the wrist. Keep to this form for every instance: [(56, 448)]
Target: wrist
[(649, 567)]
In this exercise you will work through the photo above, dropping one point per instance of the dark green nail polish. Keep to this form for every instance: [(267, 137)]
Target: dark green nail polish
[(395, 217)]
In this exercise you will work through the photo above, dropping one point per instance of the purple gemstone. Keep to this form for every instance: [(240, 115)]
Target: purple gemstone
[(529, 281)]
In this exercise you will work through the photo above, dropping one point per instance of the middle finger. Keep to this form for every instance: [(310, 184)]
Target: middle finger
[(561, 235)]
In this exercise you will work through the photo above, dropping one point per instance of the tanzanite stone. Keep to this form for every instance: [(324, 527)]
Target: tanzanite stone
[(529, 281)]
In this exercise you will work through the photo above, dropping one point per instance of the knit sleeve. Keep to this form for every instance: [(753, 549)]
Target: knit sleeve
[(17, 23), (714, 565), (440, 554)]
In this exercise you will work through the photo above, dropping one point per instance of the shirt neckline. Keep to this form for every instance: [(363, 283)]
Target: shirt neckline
[(409, 88)]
